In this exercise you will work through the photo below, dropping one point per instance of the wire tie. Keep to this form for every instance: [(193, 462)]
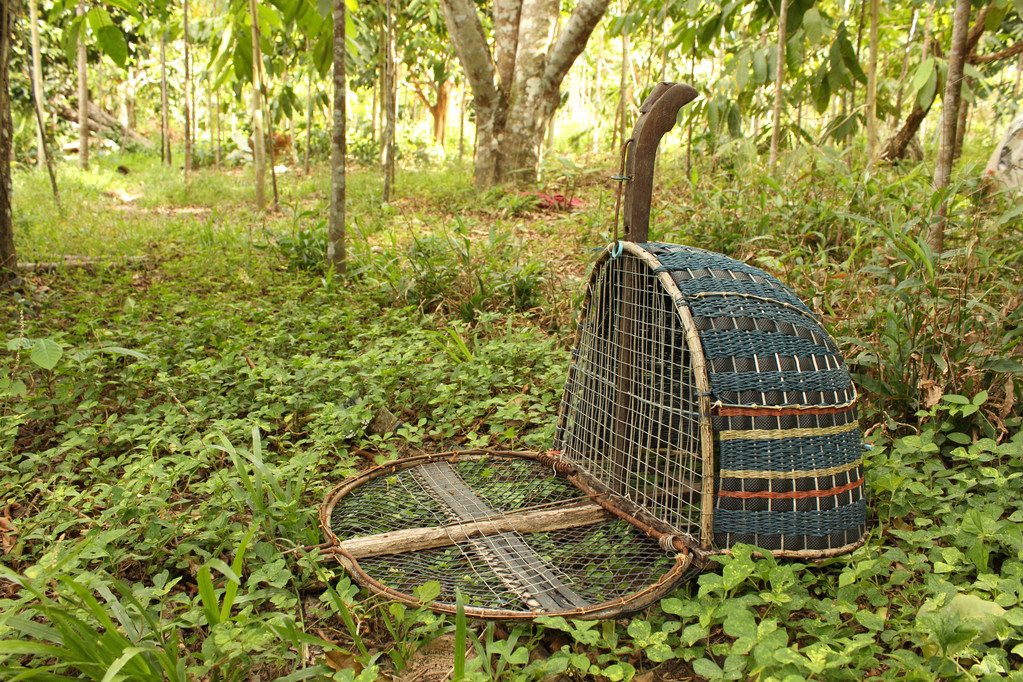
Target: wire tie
[(617, 248), (667, 543)]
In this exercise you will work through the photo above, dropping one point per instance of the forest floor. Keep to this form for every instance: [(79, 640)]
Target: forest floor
[(173, 413)]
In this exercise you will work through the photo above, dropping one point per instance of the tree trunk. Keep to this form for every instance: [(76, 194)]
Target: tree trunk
[(961, 121), (37, 83), (439, 112), (165, 146), (83, 94), (779, 82), (125, 108), (100, 121), (8, 254), (875, 16), (598, 96), (271, 135), (949, 115), (258, 138), (308, 122), (389, 104), (461, 121), (516, 88), (373, 110), (187, 97), (216, 120), (1019, 72), (336, 235), (37, 105)]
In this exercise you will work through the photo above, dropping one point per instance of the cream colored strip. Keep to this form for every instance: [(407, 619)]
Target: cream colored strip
[(766, 434), (773, 475)]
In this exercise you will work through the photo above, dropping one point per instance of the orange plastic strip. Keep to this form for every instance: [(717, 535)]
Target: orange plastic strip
[(768, 411), (794, 495)]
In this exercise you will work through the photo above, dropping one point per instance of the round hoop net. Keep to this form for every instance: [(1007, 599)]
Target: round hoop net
[(515, 534)]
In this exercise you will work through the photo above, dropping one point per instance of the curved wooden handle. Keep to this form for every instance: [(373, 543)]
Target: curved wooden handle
[(657, 117)]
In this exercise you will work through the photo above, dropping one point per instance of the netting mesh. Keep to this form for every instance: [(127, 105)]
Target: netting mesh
[(631, 411), (563, 569), (599, 563)]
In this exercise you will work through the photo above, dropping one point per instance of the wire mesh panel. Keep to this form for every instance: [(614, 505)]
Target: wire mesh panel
[(630, 412), (513, 534)]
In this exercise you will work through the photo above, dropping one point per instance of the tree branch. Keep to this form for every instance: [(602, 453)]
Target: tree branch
[(466, 33), (570, 44), (507, 14), (417, 88), (1010, 51), (977, 29)]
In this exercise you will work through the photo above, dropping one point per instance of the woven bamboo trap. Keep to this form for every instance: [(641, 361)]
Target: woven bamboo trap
[(705, 406)]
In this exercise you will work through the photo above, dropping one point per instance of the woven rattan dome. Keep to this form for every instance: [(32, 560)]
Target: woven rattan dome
[(704, 390)]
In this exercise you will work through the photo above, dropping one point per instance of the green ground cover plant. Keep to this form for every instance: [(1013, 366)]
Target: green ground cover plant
[(170, 424)]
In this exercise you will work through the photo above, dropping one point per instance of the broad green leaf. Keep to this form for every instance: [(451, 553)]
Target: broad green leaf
[(870, 620), (1005, 365), (639, 629), (128, 6), (17, 389), (740, 623), (814, 25), (113, 44), (269, 18), (734, 120), (618, 671), (685, 36), (708, 668), (838, 75), (794, 54), (70, 39), (428, 591), (46, 353), (986, 614), (760, 66), (98, 18), (850, 58), (672, 605), (291, 9), (350, 32), (19, 343), (693, 633), (742, 70), (922, 73), (925, 95), (323, 53)]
